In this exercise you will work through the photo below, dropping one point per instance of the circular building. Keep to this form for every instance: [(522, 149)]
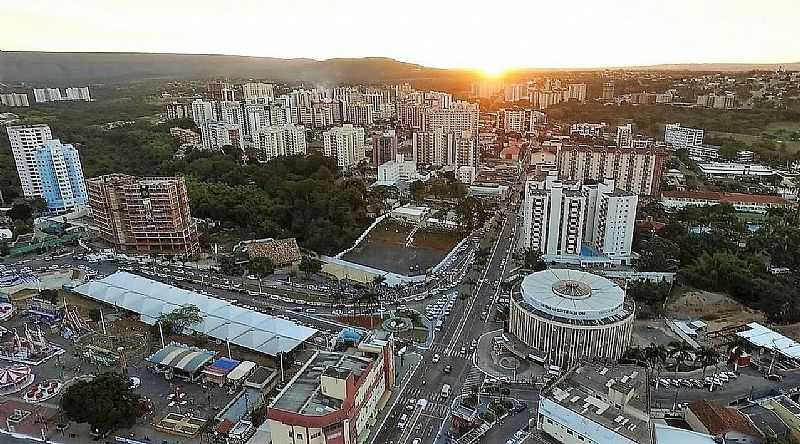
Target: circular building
[(566, 315)]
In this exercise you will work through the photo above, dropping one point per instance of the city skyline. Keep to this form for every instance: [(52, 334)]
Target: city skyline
[(570, 34)]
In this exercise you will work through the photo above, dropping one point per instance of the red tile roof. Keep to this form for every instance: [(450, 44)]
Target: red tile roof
[(720, 420), (730, 198)]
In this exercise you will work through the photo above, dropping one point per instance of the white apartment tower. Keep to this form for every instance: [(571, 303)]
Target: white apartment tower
[(576, 91), (231, 112), (559, 218), (678, 136), (610, 219), (281, 140), (25, 141), (346, 144), (514, 120), (258, 91), (203, 111), (553, 217)]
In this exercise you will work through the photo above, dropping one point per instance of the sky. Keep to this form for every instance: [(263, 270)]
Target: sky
[(491, 35)]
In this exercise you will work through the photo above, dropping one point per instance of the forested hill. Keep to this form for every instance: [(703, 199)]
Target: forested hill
[(71, 68)]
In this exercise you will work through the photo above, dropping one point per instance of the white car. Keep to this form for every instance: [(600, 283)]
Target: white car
[(435, 358), (134, 382)]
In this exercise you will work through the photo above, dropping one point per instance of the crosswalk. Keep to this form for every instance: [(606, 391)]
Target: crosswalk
[(474, 378), (442, 350)]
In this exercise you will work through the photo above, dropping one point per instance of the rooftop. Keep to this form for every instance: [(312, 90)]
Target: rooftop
[(719, 419), (303, 393), (573, 295), (221, 320), (732, 198), (584, 395)]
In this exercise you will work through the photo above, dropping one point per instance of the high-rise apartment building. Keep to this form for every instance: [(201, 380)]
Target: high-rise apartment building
[(61, 175), (54, 94), (610, 220), (346, 144), (81, 93), (25, 141), (384, 147), (203, 111), (430, 147), (220, 90), (215, 135), (460, 116), (561, 218), (608, 91), (148, 215), (412, 115), (254, 90), (177, 110), (14, 99), (576, 91), (553, 217), (281, 140), (633, 169), (514, 120), (359, 114), (43, 95), (678, 136), (625, 136), (230, 112)]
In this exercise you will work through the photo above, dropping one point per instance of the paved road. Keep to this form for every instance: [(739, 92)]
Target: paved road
[(453, 346)]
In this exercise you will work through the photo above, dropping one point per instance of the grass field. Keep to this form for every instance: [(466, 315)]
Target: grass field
[(785, 134)]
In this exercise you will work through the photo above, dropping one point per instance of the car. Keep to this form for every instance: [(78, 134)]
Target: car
[(435, 358), (775, 377), (416, 441), (134, 382), (447, 369), (463, 350)]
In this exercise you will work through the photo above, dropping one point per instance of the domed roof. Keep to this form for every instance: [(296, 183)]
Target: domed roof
[(572, 294)]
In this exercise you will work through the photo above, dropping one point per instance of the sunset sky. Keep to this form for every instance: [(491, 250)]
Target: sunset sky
[(488, 35)]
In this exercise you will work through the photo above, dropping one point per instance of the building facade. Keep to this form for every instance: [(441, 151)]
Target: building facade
[(14, 99), (678, 136), (281, 140), (565, 316), (25, 141), (346, 144), (637, 170), (61, 175), (148, 215), (335, 397), (384, 147)]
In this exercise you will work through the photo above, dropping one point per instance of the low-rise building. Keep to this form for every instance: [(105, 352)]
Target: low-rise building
[(729, 169), (595, 404), (715, 419), (397, 170), (748, 203), (335, 397)]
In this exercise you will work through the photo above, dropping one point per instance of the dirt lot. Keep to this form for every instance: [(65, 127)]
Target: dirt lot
[(385, 248), (716, 309)]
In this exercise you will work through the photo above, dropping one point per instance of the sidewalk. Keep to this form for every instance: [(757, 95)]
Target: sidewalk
[(405, 374)]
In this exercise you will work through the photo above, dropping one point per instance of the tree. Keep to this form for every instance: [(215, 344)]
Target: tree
[(470, 214), (707, 356), (680, 352), (533, 260), (106, 403), (378, 280), (655, 356), (177, 320), (310, 265), (227, 265), (261, 267), (658, 254)]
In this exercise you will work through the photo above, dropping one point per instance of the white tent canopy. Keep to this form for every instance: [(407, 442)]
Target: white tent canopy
[(221, 320)]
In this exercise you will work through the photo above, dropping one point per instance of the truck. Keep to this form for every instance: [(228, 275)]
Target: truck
[(446, 391)]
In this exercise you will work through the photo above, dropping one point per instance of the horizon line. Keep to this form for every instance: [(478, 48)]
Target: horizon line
[(451, 68)]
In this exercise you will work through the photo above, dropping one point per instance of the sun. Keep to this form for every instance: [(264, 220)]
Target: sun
[(492, 71)]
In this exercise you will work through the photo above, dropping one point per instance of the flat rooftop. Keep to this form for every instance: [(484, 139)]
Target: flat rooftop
[(303, 394), (584, 395)]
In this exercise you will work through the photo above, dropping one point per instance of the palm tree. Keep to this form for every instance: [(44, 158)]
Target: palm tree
[(707, 356), (680, 351), (655, 355)]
